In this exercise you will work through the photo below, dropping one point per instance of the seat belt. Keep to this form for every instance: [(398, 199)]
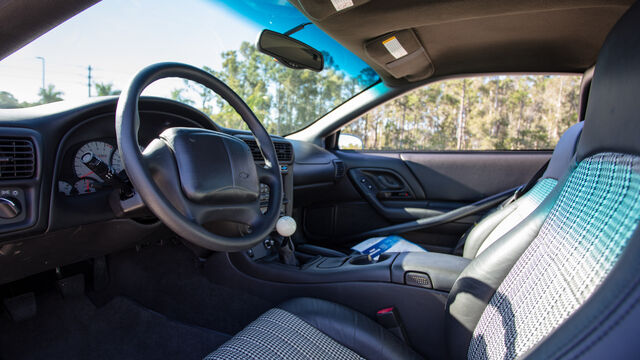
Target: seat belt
[(458, 250), (531, 183)]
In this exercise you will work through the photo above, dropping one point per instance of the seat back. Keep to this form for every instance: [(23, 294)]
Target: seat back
[(516, 296), (501, 221)]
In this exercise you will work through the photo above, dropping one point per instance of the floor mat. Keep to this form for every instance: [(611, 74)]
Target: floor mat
[(168, 279), (122, 329)]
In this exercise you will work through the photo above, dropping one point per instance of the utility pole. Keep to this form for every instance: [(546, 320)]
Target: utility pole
[(89, 80), (42, 59)]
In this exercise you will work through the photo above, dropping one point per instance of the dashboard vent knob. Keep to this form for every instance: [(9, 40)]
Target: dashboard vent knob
[(17, 158), (9, 208)]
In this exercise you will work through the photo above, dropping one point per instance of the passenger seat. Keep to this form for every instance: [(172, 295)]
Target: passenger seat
[(505, 218)]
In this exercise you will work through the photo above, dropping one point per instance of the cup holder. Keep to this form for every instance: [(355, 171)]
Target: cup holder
[(367, 260)]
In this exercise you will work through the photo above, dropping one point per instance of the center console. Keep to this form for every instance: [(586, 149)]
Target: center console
[(426, 270), (276, 259)]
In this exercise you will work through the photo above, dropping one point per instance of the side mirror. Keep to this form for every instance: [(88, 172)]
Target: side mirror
[(350, 142), (289, 51)]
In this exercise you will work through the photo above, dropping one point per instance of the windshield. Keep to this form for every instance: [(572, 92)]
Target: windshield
[(96, 52)]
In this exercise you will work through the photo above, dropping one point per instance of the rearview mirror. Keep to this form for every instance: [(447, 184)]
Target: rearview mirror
[(289, 51)]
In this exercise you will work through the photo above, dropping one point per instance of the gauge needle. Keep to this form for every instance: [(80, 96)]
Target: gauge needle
[(87, 174), (88, 186)]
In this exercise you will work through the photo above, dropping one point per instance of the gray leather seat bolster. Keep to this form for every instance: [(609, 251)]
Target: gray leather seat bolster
[(563, 153), (481, 230), (350, 328), (476, 285), (560, 160)]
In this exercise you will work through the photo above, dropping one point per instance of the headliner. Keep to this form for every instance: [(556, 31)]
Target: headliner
[(474, 36), (457, 36)]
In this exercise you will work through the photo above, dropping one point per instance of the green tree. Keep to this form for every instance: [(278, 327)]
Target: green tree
[(50, 94), (8, 101), (477, 113), (178, 95), (105, 89)]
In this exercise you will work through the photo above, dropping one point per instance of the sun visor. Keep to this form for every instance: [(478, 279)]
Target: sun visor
[(321, 9), (401, 54)]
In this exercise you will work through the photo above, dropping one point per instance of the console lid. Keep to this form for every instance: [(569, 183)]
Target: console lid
[(429, 270)]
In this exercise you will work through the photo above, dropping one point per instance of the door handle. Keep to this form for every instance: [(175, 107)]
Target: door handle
[(389, 183)]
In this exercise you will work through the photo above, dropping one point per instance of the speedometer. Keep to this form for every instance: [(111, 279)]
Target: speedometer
[(102, 151), (116, 162)]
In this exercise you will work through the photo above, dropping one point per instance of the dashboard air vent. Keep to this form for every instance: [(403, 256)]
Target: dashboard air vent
[(283, 150), (17, 159), (339, 168)]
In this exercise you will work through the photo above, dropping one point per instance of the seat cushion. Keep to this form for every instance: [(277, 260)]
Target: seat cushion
[(307, 328)]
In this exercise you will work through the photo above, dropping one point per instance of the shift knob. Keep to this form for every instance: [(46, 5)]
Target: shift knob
[(286, 226)]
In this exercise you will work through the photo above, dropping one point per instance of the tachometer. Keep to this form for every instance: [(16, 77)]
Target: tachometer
[(101, 150)]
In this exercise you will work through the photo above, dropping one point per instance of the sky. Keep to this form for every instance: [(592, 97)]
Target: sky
[(118, 38)]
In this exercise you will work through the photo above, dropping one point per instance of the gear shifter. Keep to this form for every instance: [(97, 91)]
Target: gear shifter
[(285, 227)]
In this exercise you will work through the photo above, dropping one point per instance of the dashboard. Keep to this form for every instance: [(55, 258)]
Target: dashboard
[(64, 213)]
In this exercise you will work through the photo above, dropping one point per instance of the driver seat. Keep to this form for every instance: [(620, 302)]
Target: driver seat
[(563, 283)]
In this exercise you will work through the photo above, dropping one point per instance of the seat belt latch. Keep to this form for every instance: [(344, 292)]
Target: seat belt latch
[(389, 319)]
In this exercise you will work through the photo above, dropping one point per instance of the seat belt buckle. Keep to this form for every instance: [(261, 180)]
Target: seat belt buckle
[(389, 319)]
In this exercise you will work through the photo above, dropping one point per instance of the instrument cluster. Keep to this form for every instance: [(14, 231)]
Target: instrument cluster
[(77, 178)]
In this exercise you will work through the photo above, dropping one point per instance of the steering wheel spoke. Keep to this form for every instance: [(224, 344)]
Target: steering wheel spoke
[(240, 213)]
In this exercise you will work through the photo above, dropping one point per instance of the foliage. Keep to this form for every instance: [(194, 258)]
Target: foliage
[(50, 94), (479, 113), (105, 89), (284, 100), (8, 101)]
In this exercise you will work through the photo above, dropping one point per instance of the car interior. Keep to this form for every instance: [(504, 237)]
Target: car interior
[(138, 226)]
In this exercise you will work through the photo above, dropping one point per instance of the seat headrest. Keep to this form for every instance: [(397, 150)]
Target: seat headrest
[(612, 122)]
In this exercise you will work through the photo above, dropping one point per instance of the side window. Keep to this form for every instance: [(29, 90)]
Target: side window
[(504, 112)]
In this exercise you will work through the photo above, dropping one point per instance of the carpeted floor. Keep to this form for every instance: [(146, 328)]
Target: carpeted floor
[(74, 328), (168, 279), (158, 305)]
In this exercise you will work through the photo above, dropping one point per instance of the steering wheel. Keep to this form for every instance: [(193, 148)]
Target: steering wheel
[(189, 177)]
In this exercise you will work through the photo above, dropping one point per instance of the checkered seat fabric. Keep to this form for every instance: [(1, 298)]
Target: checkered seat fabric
[(581, 239), (278, 334)]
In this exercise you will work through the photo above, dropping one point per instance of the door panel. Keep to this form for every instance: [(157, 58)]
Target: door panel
[(471, 176), (401, 187)]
